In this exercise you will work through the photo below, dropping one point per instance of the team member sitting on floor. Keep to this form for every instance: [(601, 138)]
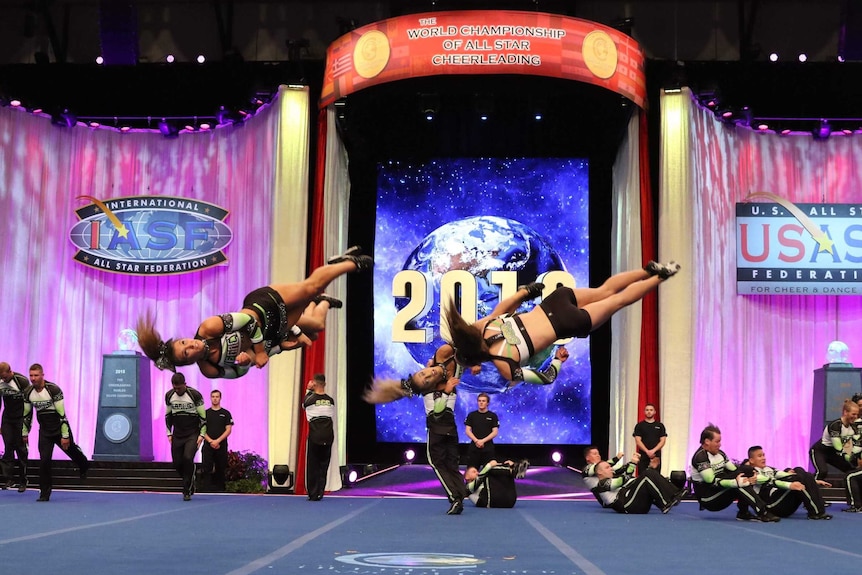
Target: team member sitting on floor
[(718, 481), (784, 491), (635, 495), (494, 485), (593, 458)]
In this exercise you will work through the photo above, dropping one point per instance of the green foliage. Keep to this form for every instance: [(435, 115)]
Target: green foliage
[(246, 472), (245, 486)]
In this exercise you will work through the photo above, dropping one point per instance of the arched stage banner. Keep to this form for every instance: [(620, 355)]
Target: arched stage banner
[(484, 42)]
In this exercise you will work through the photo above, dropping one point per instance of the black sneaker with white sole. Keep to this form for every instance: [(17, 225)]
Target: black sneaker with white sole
[(353, 254)]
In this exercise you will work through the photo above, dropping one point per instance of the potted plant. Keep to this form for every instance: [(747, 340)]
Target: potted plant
[(246, 472)]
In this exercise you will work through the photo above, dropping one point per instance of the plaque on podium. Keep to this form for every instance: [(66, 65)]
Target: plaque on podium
[(124, 430), (833, 383)]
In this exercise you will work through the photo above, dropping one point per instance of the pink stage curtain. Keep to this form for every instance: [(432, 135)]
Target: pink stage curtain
[(753, 356), (66, 316)]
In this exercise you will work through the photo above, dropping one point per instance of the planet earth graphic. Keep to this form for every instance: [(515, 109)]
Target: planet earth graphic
[(479, 245)]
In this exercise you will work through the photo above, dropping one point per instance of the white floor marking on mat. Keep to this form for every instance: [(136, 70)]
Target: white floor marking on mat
[(800, 541), (41, 534), (588, 567), (297, 543)]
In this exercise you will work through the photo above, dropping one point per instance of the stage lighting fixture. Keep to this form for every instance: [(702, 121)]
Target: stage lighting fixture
[(409, 456), (65, 119), (227, 116), (803, 57), (15, 103), (201, 59), (537, 105), (281, 479), (429, 106), (100, 60), (823, 130), (625, 25), (773, 57), (168, 128), (484, 105), (349, 475), (557, 458), (743, 117), (341, 109), (169, 58)]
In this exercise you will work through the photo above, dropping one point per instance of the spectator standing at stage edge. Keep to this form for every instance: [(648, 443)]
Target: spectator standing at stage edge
[(319, 410), (650, 436), (214, 453), (482, 427)]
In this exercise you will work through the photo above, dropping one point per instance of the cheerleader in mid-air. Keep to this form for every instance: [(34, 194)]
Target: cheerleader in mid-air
[(271, 320)]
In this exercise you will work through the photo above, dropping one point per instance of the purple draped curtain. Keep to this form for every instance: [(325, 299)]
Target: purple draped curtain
[(65, 316)]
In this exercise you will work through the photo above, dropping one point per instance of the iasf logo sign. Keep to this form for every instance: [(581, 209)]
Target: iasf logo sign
[(150, 235), (800, 249)]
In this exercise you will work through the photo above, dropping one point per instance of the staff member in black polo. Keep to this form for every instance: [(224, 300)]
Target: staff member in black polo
[(481, 426), (214, 453)]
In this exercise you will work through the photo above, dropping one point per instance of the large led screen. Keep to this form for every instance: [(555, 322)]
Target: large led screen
[(477, 228)]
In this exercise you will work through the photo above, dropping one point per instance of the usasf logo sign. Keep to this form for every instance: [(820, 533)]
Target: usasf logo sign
[(784, 248), (150, 235)]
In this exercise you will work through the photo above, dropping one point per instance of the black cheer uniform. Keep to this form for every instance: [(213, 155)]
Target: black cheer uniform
[(12, 393), (319, 411), (442, 447), (53, 428), (186, 420)]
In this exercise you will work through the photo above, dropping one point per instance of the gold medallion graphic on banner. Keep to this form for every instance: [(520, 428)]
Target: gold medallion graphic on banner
[(600, 54), (371, 54)]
